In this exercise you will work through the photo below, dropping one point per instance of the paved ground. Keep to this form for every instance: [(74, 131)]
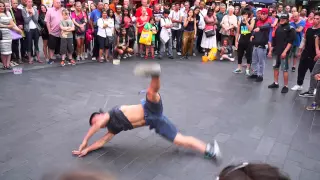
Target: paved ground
[(44, 116)]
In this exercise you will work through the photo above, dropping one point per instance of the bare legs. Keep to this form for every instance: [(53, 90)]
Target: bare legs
[(190, 143), (80, 47), (6, 61), (45, 49)]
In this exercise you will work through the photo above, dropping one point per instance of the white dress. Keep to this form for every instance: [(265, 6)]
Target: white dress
[(208, 42)]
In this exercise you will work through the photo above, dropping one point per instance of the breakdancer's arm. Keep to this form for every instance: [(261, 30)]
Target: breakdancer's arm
[(97, 145)]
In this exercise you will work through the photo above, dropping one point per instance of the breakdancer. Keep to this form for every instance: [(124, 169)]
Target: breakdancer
[(148, 113)]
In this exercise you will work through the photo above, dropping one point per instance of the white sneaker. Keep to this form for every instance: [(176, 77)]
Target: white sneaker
[(86, 55), (179, 53), (93, 59), (248, 72), (315, 91), (82, 57), (78, 58), (296, 88), (231, 59), (221, 59), (194, 54), (147, 69)]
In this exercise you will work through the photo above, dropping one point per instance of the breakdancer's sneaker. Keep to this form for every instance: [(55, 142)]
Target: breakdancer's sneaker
[(147, 69), (213, 152)]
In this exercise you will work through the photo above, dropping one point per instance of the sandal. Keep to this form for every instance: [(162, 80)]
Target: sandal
[(146, 57)]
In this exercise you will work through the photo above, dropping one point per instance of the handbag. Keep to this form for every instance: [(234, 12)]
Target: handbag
[(15, 35), (210, 33), (146, 37)]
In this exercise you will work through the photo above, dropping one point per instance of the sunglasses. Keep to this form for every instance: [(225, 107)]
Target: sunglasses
[(239, 167)]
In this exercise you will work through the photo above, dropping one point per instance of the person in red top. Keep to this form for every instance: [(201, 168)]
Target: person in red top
[(113, 5), (309, 22), (141, 21), (144, 5)]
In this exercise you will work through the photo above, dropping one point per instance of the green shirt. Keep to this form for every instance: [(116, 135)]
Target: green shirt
[(149, 27), (66, 23)]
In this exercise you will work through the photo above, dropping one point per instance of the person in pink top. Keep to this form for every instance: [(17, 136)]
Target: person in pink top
[(79, 19), (309, 22), (53, 19)]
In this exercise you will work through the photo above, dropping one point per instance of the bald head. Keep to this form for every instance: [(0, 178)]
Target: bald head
[(296, 16)]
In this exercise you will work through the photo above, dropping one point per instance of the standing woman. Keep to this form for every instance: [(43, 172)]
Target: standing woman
[(141, 21), (128, 25), (6, 23), (79, 19), (309, 22), (30, 17), (209, 42), (242, 43), (44, 31), (189, 34), (105, 33), (229, 24)]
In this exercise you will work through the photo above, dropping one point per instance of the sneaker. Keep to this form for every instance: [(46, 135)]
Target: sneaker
[(82, 57), (273, 85), (293, 69), (50, 61), (259, 79), (183, 58), (78, 58), (285, 89), (171, 57), (213, 152), (147, 69), (247, 72), (221, 59), (296, 88), (253, 76), (306, 94), (179, 53), (237, 71), (62, 63), (313, 107), (231, 59), (194, 54), (315, 91), (156, 52), (73, 62), (94, 59), (85, 55)]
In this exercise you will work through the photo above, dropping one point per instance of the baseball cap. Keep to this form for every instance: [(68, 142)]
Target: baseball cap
[(284, 16), (264, 11)]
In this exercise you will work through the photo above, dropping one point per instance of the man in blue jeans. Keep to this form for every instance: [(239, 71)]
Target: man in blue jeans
[(148, 113)]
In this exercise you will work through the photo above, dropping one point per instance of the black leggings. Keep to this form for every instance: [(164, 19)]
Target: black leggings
[(33, 36), (245, 48), (306, 63)]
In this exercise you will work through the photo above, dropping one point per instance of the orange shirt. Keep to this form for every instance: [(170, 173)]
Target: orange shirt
[(113, 7)]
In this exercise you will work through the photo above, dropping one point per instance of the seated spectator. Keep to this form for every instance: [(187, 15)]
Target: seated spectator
[(122, 46), (226, 51)]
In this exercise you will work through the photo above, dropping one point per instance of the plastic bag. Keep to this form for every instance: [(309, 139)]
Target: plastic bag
[(146, 38), (213, 54)]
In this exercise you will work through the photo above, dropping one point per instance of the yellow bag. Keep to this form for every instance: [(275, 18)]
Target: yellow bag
[(213, 54), (146, 37)]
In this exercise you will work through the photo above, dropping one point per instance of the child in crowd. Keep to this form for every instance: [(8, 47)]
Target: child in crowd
[(66, 45), (226, 51), (153, 28), (123, 44)]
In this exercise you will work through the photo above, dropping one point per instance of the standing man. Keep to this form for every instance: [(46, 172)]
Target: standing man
[(53, 19), (220, 15), (195, 4), (303, 14), (279, 9), (201, 26), (282, 42), (18, 20), (259, 41), (176, 18), (315, 78), (113, 5), (94, 16), (243, 4), (308, 57), (298, 24), (287, 10), (145, 4), (157, 16)]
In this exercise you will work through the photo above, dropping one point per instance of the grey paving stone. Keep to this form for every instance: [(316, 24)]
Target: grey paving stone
[(309, 175), (265, 145), (44, 116)]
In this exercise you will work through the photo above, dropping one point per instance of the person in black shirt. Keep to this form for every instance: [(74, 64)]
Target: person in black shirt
[(243, 44), (307, 60), (282, 42)]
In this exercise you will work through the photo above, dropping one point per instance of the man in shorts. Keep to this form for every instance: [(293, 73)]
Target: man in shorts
[(148, 113)]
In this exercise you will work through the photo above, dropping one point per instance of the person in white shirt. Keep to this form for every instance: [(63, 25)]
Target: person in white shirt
[(229, 24), (176, 19), (195, 4), (105, 33), (165, 34), (203, 9)]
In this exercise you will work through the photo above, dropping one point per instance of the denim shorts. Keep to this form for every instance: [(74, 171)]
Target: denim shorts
[(156, 120)]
